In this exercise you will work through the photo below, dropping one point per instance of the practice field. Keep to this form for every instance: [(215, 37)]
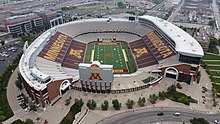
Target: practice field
[(111, 53)]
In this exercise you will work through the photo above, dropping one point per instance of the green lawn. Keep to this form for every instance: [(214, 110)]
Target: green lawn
[(214, 73), (216, 81), (90, 47), (214, 67), (149, 79), (5, 110), (212, 62), (211, 57), (111, 53), (131, 64)]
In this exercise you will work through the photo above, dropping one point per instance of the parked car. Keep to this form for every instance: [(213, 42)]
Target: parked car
[(176, 114), (160, 114), (217, 121), (1, 59)]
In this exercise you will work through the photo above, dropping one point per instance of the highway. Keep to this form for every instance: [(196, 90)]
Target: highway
[(215, 11), (147, 117), (156, 7), (173, 15)]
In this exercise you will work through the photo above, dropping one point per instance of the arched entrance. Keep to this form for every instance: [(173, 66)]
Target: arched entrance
[(171, 72), (64, 87)]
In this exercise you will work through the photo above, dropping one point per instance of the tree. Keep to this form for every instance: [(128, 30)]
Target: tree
[(18, 83), (120, 5), (91, 104), (32, 106), (162, 95), (199, 121), (17, 122), (77, 106), (28, 121), (178, 85), (171, 89), (130, 103), (153, 98), (141, 101), (105, 105), (2, 117), (116, 104), (211, 23)]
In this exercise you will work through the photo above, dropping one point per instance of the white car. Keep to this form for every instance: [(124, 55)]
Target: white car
[(176, 114), (217, 121)]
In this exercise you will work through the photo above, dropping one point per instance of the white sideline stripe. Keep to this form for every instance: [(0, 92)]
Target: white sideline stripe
[(92, 56), (125, 56)]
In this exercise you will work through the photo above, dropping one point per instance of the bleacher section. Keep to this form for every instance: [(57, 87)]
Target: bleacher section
[(74, 55), (158, 46), (56, 48), (101, 25), (64, 50), (142, 53)]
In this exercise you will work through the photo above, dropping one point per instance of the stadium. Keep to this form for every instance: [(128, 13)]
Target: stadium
[(93, 55)]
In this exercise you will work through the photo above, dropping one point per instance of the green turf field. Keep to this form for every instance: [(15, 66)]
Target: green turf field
[(111, 53)]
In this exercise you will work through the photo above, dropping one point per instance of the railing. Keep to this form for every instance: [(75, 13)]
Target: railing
[(153, 83)]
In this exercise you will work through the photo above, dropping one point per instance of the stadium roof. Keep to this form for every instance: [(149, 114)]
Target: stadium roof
[(185, 44)]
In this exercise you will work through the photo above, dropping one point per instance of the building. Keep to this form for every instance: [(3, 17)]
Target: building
[(51, 64), (18, 25), (50, 18), (203, 36)]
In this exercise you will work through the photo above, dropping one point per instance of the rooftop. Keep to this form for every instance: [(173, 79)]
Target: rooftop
[(19, 18), (185, 44)]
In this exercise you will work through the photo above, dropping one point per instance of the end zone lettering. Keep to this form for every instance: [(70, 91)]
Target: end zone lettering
[(118, 71)]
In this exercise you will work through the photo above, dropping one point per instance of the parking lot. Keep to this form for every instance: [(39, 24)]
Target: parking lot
[(8, 52)]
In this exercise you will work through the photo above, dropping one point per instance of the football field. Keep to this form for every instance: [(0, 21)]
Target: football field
[(110, 53)]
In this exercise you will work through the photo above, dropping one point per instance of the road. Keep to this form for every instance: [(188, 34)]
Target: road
[(146, 117), (215, 10), (173, 15), (156, 7)]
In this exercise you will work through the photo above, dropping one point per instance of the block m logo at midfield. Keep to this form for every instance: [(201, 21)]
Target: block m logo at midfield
[(140, 51), (95, 76)]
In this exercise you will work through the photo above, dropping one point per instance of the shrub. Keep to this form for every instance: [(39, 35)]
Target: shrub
[(2, 117), (178, 85), (105, 105), (91, 104), (153, 98), (199, 121), (116, 104), (130, 103), (75, 108), (162, 95), (141, 101)]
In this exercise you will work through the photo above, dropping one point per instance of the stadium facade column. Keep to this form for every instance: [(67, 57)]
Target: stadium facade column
[(91, 87), (110, 85), (86, 85), (100, 86), (81, 83), (36, 99), (32, 96), (95, 86), (42, 100), (105, 87)]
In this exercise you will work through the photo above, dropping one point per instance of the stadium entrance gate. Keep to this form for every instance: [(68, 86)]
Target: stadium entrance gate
[(64, 87), (185, 78), (171, 73)]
